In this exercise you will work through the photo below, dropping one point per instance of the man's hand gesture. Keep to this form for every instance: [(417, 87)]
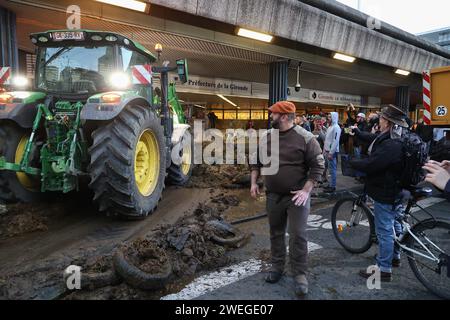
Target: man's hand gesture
[(254, 190), (300, 197)]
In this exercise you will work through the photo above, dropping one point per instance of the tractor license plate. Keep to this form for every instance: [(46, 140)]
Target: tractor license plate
[(72, 35)]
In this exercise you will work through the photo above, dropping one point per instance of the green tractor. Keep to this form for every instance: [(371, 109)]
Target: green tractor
[(95, 114)]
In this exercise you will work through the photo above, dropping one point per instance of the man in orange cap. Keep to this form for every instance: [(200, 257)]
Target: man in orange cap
[(301, 164)]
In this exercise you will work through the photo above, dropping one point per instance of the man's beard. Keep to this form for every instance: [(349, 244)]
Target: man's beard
[(275, 124)]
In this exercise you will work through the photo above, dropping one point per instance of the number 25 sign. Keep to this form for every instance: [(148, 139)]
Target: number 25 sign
[(441, 111)]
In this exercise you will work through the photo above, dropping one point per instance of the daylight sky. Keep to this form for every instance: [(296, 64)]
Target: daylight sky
[(414, 16)]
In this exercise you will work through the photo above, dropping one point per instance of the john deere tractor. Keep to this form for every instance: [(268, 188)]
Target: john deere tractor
[(94, 114)]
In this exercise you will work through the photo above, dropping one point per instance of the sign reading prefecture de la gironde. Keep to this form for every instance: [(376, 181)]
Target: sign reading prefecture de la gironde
[(197, 84)]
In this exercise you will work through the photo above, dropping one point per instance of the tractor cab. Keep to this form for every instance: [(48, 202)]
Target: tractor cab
[(77, 65), (80, 64)]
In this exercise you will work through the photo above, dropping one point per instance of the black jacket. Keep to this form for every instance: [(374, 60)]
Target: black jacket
[(383, 168), (364, 136), (424, 132)]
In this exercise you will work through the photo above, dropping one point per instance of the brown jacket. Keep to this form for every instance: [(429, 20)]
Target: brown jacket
[(300, 160)]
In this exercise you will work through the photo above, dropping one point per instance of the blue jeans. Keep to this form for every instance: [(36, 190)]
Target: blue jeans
[(332, 166), (385, 222), (357, 152)]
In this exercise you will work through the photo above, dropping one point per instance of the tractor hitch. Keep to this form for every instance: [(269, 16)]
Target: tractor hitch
[(7, 166)]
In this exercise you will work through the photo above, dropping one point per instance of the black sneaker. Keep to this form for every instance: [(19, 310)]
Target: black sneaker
[(384, 276), (273, 277)]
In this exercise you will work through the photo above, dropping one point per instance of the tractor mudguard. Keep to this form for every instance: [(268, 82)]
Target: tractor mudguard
[(22, 111), (97, 110)]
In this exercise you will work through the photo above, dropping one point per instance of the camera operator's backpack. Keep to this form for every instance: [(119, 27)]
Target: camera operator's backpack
[(415, 155)]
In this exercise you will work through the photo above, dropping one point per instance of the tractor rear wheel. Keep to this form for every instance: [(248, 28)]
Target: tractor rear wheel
[(17, 187), (180, 174), (127, 166)]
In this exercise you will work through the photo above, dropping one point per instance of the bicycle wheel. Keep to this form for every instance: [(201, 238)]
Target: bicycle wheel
[(353, 225), (435, 276)]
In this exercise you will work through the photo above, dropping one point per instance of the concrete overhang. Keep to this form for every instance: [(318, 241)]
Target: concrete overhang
[(297, 21), (214, 51)]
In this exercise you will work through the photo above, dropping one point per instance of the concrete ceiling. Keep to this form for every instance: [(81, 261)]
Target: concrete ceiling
[(233, 58)]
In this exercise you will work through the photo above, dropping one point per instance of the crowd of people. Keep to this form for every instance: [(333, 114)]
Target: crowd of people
[(307, 146)]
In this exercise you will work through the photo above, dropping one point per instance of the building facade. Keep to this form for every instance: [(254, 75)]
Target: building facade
[(440, 37)]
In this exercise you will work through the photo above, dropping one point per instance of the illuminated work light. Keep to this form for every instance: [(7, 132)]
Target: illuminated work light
[(343, 57), (120, 80), (254, 35), (402, 72), (19, 81), (127, 4)]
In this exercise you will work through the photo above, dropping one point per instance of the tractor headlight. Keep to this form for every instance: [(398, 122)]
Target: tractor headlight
[(120, 80), (20, 81), (111, 98), (6, 98)]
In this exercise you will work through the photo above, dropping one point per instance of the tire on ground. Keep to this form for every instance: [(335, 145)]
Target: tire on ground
[(112, 168), (179, 175), (138, 278), (11, 188)]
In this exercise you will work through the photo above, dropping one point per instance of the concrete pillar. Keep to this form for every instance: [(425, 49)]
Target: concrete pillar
[(278, 82), (402, 98), (9, 53)]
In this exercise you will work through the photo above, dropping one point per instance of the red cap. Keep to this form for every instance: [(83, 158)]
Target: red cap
[(283, 107)]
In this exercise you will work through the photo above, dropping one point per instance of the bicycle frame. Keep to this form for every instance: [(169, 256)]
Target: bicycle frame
[(399, 240), (408, 230), (356, 217)]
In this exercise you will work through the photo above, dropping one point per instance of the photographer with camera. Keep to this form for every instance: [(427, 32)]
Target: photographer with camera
[(368, 136), (362, 125)]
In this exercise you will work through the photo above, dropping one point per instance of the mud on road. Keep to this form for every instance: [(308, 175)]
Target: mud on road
[(187, 232)]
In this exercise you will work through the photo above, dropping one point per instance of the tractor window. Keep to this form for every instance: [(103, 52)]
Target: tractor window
[(132, 58), (76, 70)]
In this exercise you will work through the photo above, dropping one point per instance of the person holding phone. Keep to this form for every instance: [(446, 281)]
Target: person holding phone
[(439, 175)]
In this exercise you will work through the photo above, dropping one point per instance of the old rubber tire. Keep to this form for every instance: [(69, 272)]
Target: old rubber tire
[(127, 163), (16, 187), (138, 278), (179, 175)]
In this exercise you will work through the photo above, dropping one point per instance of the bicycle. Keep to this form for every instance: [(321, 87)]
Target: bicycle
[(426, 243)]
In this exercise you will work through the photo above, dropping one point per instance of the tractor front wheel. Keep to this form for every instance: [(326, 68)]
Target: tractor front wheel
[(128, 163), (17, 187), (179, 174)]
